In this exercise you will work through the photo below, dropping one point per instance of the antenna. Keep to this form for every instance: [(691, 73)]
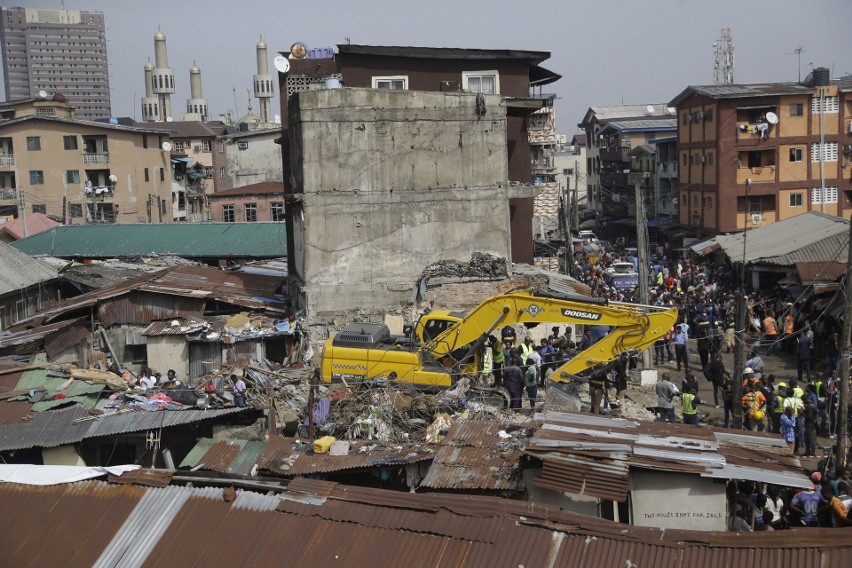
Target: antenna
[(798, 53), (723, 67), (281, 63)]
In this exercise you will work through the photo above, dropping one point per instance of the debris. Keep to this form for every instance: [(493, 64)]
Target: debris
[(322, 445), (338, 448), (439, 428)]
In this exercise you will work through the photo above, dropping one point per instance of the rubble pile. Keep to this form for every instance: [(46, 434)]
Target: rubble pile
[(481, 265)]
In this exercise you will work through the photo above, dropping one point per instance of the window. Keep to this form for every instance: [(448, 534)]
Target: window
[(485, 82), (69, 142), (754, 204), (220, 146), (162, 174), (178, 146), (395, 83), (277, 211), (797, 109), (686, 116), (222, 172), (708, 115), (825, 104), (228, 213), (795, 200), (208, 172), (205, 145), (242, 145), (39, 208), (144, 140), (710, 159), (147, 176), (823, 195), (72, 176), (828, 151), (75, 210), (36, 177), (708, 202), (685, 159), (796, 154), (33, 143), (251, 212)]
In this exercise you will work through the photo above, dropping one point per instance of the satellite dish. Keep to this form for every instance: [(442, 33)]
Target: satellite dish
[(771, 118), (167, 146), (42, 94), (281, 63), (649, 109), (671, 110)]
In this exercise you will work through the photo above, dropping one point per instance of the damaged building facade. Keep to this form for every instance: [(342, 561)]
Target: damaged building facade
[(388, 183)]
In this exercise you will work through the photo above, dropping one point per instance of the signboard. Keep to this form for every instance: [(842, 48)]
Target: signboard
[(677, 501), (624, 282)]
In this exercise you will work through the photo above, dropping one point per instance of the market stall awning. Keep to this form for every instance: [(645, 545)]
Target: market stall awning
[(705, 247)]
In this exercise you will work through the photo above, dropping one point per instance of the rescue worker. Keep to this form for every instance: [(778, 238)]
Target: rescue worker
[(666, 391), (688, 401), (755, 404), (513, 380), (778, 408), (770, 333), (497, 360), (597, 385), (531, 381)]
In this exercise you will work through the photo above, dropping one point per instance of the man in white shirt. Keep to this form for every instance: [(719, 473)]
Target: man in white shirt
[(681, 343), (239, 390)]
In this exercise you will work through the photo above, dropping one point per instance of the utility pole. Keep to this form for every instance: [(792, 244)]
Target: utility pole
[(568, 223), (22, 208), (575, 203), (642, 252), (740, 329), (842, 446)]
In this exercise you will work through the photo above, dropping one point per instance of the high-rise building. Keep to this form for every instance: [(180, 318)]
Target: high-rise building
[(56, 51)]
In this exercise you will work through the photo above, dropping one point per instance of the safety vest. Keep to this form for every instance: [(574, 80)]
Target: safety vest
[(789, 325), (687, 403), (818, 388), (779, 408), (769, 326), (499, 356), (525, 351), (798, 393)]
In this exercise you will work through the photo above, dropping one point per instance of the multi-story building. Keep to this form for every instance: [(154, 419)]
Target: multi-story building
[(611, 134), (197, 164), (81, 171), (251, 157), (255, 203), (56, 51), (512, 74), (755, 154)]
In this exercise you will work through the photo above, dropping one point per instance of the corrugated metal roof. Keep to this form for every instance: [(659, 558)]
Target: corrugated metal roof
[(592, 455), (606, 113), (58, 427), (738, 91), (474, 456), (189, 240), (811, 272), (184, 326), (21, 271), (93, 523), (811, 236)]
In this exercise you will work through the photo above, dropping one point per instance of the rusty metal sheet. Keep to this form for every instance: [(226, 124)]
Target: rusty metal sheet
[(15, 412), (221, 454), (70, 335), (184, 326)]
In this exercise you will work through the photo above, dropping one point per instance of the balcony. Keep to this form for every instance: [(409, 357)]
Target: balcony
[(195, 190), (7, 160), (96, 158), (543, 166), (614, 180), (615, 154), (645, 179), (760, 174), (8, 194)]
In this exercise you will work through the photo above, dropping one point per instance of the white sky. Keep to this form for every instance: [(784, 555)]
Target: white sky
[(608, 51)]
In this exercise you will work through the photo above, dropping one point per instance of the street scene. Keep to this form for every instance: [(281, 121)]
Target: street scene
[(469, 295)]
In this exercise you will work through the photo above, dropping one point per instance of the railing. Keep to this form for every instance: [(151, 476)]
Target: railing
[(194, 190), (761, 174), (96, 158), (7, 159), (615, 154), (9, 194), (754, 130)]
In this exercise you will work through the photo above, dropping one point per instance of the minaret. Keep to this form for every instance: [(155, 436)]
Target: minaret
[(150, 103), (263, 86), (196, 103), (163, 79)]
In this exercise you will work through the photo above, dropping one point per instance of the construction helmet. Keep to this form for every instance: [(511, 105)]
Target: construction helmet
[(758, 415)]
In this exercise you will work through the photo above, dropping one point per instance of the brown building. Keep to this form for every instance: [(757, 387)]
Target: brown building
[(510, 73), (259, 202), (751, 155)]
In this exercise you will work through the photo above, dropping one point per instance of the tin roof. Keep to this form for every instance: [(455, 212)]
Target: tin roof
[(35, 222), (270, 188), (20, 271), (474, 456), (189, 240), (742, 91), (811, 272), (811, 237), (593, 455), (61, 426), (97, 524)]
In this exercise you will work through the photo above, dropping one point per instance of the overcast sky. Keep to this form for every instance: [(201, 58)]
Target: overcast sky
[(607, 51)]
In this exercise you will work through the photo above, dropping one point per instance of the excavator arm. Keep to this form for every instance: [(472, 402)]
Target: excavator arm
[(633, 327)]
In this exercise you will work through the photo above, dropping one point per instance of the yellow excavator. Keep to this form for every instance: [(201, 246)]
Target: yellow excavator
[(444, 346)]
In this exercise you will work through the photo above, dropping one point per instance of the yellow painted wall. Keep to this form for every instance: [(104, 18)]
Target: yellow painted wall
[(792, 171), (710, 212), (785, 211), (794, 125), (683, 170)]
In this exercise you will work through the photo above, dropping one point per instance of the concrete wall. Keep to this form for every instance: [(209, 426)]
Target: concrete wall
[(169, 352), (391, 181), (257, 162)]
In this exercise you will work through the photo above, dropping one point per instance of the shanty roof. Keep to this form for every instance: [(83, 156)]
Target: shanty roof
[(35, 223), (319, 523), (201, 283), (810, 237), (593, 455), (813, 272), (19, 270), (73, 424), (189, 240)]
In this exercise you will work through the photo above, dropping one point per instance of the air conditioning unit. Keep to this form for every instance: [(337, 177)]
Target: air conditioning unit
[(197, 147), (756, 218), (242, 145)]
